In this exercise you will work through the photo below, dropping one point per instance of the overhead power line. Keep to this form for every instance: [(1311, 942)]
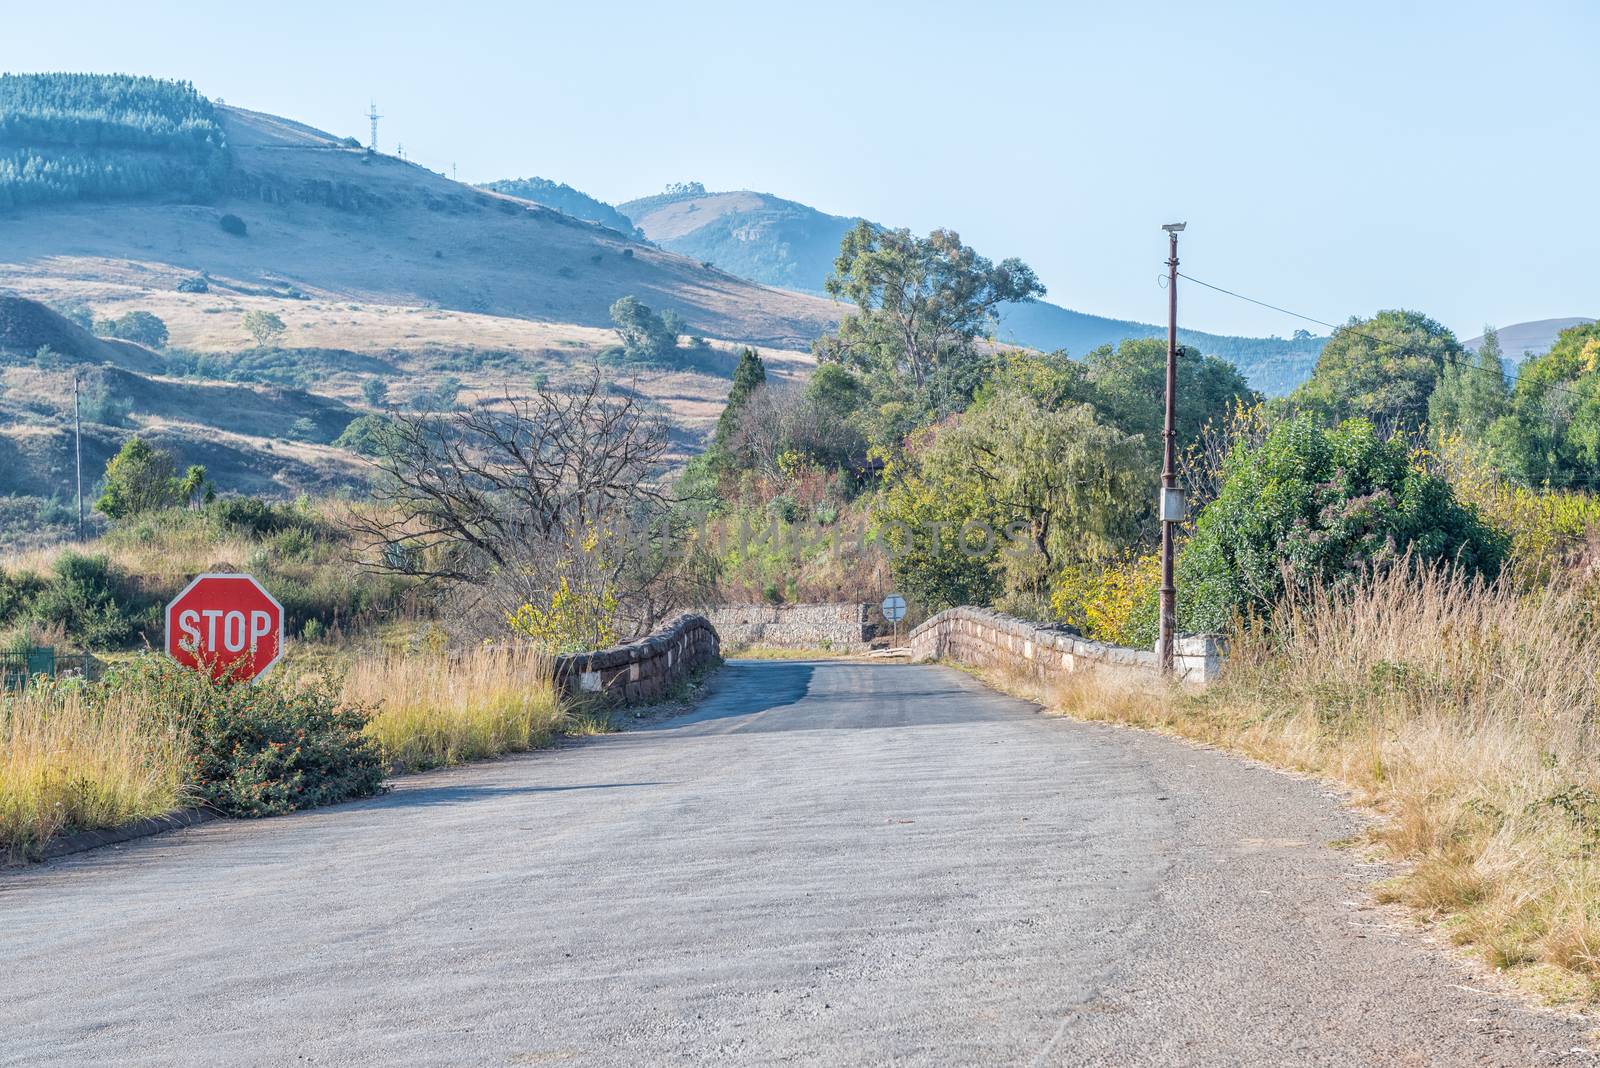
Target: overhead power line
[(1511, 381), (1347, 328)]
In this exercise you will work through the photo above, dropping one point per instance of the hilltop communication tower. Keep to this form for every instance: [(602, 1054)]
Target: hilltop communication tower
[(372, 114)]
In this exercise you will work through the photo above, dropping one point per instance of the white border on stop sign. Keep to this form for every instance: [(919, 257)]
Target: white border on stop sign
[(283, 619)]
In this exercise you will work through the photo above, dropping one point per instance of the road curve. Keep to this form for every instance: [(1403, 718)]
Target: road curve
[(824, 864)]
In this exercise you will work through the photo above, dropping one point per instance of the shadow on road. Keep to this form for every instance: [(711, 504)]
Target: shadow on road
[(748, 687), (444, 795)]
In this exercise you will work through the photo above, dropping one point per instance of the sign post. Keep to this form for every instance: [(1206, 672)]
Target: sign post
[(894, 610), (226, 625)]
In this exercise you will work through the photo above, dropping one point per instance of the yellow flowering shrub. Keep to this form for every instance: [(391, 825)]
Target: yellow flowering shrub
[(1548, 527), (575, 620), (1109, 602)]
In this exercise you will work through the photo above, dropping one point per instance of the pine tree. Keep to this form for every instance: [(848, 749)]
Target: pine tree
[(1472, 392), (748, 376)]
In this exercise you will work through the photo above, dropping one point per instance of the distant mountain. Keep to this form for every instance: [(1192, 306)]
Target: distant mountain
[(780, 242), (1273, 365), (564, 198), (1531, 338), (754, 235)]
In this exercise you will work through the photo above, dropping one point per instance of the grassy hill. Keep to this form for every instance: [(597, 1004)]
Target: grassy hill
[(27, 326), (1528, 339), (754, 235), (386, 275), (322, 218), (263, 440), (784, 243)]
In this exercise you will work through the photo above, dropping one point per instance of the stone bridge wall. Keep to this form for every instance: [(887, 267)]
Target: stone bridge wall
[(644, 670), (986, 639), (845, 627)]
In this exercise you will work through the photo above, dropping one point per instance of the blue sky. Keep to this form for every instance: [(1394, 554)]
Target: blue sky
[(1332, 158)]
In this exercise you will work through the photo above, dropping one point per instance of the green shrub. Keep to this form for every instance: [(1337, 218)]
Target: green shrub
[(365, 435), (295, 543), (140, 327), (18, 590), (783, 509), (1314, 507), (233, 224), (96, 605), (194, 284), (264, 748), (107, 410), (139, 478), (259, 518)]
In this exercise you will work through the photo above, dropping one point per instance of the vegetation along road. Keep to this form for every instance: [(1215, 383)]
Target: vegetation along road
[(825, 863)]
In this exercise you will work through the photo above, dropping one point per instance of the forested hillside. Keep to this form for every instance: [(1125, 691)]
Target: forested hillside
[(92, 136), (563, 198)]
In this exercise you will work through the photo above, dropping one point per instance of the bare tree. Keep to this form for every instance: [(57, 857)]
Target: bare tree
[(500, 502), (762, 431), (780, 417)]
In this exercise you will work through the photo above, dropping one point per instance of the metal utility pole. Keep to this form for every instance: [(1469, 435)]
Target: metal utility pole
[(77, 445), (1171, 498)]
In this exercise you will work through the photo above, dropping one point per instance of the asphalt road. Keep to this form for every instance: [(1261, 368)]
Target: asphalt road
[(825, 864)]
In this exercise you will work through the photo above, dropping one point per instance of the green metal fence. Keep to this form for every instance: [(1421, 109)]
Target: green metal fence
[(17, 666)]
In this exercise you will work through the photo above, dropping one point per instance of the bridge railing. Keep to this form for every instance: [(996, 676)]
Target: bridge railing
[(647, 668), (984, 638)]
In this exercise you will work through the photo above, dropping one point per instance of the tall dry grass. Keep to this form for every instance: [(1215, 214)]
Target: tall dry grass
[(440, 709), (1464, 715), (74, 759), (83, 757)]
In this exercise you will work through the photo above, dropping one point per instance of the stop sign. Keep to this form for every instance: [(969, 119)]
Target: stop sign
[(226, 624)]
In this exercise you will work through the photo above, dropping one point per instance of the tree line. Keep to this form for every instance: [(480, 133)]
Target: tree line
[(92, 136), (1027, 480)]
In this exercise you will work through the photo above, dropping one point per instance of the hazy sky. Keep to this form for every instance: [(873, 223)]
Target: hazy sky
[(1332, 158)]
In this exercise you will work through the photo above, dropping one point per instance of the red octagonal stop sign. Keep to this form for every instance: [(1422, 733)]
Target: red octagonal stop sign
[(227, 624)]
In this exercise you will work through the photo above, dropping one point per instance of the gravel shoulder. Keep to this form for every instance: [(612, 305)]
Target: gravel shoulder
[(823, 863)]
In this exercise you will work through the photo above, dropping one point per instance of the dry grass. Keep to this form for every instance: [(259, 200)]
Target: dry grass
[(761, 651), (69, 763), (81, 758), (1464, 716), (441, 709)]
